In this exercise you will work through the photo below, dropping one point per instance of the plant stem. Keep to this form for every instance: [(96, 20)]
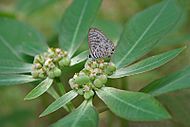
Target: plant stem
[(124, 85), (61, 88)]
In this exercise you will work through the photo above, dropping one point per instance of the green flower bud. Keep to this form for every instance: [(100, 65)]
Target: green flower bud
[(41, 75), (65, 61), (74, 86), (111, 67), (71, 81), (94, 65), (103, 78), (108, 71), (80, 91), (35, 74), (92, 76), (56, 72), (51, 74), (98, 83), (82, 80), (39, 59), (86, 88), (88, 94)]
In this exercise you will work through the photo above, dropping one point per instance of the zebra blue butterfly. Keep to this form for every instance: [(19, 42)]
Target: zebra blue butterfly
[(99, 45)]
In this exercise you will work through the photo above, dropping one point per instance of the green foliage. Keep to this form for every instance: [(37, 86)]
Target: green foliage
[(142, 33), (30, 6), (147, 64), (144, 30), (40, 89), (75, 24), (84, 116), (17, 38), (13, 79), (60, 102), (10, 66), (132, 105), (79, 58), (176, 81)]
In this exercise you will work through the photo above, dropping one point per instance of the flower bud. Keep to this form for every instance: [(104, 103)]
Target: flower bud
[(71, 81), (98, 83), (80, 91), (88, 94), (38, 59), (51, 74), (111, 67), (74, 86), (82, 80), (41, 75), (103, 78), (56, 72), (65, 61), (35, 74)]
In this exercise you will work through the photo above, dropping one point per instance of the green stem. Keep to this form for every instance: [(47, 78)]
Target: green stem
[(124, 85), (61, 88)]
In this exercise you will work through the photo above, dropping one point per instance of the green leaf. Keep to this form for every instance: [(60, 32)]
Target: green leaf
[(144, 30), (84, 116), (17, 38), (10, 66), (111, 29), (134, 106), (15, 79), (76, 22), (30, 6), (147, 64), (40, 89), (60, 102), (175, 81), (80, 58)]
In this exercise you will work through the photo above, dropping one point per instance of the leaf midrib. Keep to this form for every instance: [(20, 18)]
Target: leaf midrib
[(70, 95), (77, 28), (10, 47), (80, 115), (143, 34), (169, 84), (163, 58), (131, 105)]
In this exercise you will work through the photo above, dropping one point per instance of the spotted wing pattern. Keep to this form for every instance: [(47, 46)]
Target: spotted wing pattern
[(100, 46)]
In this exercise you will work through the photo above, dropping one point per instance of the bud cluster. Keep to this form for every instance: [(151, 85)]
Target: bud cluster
[(92, 77), (50, 63)]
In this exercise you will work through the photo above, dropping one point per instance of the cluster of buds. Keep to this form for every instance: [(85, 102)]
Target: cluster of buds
[(50, 63), (92, 77)]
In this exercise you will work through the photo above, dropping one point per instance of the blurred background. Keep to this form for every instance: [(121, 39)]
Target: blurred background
[(44, 15)]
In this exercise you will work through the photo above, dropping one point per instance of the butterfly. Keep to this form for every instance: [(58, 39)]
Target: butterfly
[(99, 45)]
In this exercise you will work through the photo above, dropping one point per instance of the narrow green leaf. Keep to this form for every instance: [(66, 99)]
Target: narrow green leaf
[(10, 66), (16, 38), (80, 58), (175, 81), (30, 6), (40, 89), (144, 30), (15, 79), (76, 22), (60, 102), (147, 64), (84, 116), (134, 106)]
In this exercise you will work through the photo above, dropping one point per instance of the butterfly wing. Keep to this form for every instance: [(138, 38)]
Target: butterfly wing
[(100, 46)]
